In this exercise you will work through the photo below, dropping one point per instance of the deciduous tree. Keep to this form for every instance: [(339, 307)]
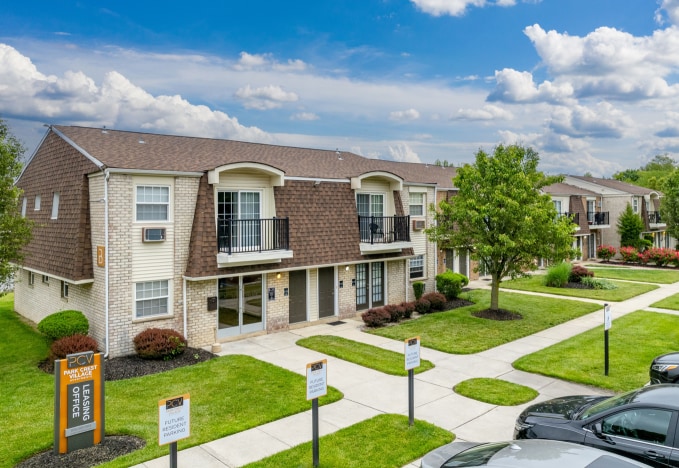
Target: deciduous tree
[(501, 215), (15, 230)]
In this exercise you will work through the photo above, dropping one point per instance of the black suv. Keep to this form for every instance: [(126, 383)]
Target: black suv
[(665, 369)]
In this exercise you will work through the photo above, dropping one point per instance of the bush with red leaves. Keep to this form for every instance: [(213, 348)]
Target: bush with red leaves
[(159, 343)]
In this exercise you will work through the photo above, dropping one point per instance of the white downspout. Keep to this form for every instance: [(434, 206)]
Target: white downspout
[(186, 332), (106, 271)]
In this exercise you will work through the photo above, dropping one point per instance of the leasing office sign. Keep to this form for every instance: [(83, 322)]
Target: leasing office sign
[(78, 401)]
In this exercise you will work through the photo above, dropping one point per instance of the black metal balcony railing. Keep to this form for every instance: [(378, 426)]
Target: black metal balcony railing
[(654, 217), (597, 218), (384, 229), (575, 216), (252, 235)]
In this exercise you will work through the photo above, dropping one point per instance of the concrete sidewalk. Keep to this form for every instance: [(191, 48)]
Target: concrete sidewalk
[(368, 393)]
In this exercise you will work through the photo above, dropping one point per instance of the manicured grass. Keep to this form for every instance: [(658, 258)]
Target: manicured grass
[(671, 303), (495, 391), (385, 441), (365, 355), (634, 340), (228, 395), (662, 276), (535, 283), (458, 331)]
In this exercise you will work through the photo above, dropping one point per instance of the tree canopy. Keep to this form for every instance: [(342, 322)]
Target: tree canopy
[(15, 230), (669, 203), (501, 215), (630, 226)]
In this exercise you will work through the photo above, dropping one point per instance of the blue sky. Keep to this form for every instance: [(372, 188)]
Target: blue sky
[(592, 85)]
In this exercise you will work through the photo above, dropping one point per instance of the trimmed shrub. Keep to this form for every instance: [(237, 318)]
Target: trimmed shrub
[(557, 275), (418, 289), (450, 284), (629, 254), (395, 312), (422, 306), (159, 343), (376, 317), (72, 344), (408, 308), (64, 323), (578, 272), (437, 301), (605, 252), (598, 283), (659, 256)]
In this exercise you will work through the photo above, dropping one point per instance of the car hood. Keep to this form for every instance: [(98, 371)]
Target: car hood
[(669, 358), (438, 457), (561, 408)]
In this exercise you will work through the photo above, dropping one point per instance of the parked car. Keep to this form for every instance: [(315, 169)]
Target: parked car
[(665, 369), (524, 454), (641, 424)]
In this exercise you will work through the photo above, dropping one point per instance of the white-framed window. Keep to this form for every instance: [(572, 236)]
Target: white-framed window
[(37, 203), (417, 204), (31, 278), (417, 267), (55, 206), (45, 279), (24, 202), (151, 298), (64, 289), (153, 203), (635, 204), (557, 206)]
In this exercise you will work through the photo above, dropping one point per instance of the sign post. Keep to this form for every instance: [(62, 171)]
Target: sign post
[(607, 326), (412, 360), (316, 386), (174, 423), (78, 402)]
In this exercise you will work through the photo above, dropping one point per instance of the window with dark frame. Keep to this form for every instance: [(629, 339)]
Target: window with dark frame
[(64, 289), (417, 267), (45, 279)]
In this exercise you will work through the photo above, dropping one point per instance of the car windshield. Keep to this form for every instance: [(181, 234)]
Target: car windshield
[(475, 456), (607, 404)]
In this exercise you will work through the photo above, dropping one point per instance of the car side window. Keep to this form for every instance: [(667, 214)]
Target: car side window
[(649, 425)]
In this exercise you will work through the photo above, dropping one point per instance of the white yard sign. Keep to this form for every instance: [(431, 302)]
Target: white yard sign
[(607, 317), (173, 417), (316, 379), (412, 352)]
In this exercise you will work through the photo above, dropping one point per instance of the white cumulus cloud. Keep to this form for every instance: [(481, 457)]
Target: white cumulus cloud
[(403, 153), (404, 115), (456, 7), (487, 112), (265, 97)]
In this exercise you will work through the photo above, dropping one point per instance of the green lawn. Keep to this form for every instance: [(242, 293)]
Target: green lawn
[(581, 358), (385, 441), (662, 276), (495, 391), (365, 355), (228, 395), (671, 303), (624, 291), (458, 331)]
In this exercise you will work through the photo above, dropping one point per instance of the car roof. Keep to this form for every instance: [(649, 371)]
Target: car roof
[(533, 453), (666, 395)]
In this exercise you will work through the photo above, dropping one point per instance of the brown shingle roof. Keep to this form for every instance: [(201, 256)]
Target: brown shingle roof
[(61, 247), (123, 150)]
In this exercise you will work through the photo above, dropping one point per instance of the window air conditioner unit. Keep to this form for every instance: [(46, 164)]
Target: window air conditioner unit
[(419, 224), (153, 235)]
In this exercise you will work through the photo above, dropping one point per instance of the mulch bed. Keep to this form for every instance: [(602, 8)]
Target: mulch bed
[(500, 314)]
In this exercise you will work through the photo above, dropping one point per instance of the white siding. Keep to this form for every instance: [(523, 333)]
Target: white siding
[(377, 186), (312, 294), (250, 180)]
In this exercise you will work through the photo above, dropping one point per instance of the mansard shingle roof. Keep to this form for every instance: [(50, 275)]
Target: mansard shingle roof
[(148, 151)]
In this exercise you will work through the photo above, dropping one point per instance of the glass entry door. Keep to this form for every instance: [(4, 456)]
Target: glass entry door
[(369, 285), (240, 306)]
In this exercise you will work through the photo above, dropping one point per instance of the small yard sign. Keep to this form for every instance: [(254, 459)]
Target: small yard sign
[(173, 416), (316, 379), (412, 353)]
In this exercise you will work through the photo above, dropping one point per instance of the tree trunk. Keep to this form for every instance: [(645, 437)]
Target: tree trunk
[(495, 293)]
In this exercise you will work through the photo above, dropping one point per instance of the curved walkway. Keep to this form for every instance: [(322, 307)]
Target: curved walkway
[(368, 393)]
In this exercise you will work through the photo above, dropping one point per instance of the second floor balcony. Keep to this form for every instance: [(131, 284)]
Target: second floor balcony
[(598, 218), (654, 218), (252, 241), (574, 216), (382, 234)]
